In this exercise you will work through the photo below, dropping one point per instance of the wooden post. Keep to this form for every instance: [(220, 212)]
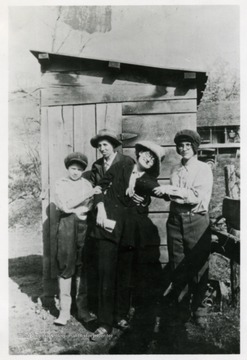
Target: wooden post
[(225, 135), (233, 191), (211, 135), (231, 182)]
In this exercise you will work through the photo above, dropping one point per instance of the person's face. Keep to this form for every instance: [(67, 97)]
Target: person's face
[(185, 150), (146, 160), (105, 148), (75, 171)]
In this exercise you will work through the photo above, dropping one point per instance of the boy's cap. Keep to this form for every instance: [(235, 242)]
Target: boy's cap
[(76, 157), (105, 134)]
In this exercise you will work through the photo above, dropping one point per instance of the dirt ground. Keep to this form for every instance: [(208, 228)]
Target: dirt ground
[(31, 329)]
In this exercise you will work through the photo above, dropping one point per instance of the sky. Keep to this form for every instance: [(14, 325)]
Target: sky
[(160, 35)]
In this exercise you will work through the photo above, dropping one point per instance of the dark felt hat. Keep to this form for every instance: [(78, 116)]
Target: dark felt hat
[(76, 157), (188, 135), (157, 150), (106, 134)]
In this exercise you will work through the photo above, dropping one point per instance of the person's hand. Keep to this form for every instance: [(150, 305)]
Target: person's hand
[(138, 199), (97, 190), (165, 190), (160, 190), (101, 215)]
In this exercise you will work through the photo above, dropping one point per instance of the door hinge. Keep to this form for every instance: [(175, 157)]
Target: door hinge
[(127, 136)]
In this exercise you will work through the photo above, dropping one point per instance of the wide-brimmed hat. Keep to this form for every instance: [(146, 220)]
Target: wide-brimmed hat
[(105, 134), (158, 152), (188, 135), (76, 157)]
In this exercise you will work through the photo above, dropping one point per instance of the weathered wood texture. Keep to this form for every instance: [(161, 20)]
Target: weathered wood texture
[(232, 182), (158, 128), (102, 93), (105, 86), (109, 116), (84, 130), (45, 195), (159, 107)]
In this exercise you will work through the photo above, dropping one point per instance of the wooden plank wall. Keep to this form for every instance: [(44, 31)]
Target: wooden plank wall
[(86, 88)]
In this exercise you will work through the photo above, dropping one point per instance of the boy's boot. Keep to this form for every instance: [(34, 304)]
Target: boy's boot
[(81, 300), (65, 301)]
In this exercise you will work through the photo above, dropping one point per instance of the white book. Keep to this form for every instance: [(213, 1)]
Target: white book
[(109, 225)]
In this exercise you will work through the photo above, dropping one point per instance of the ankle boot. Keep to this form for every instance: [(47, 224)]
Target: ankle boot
[(81, 300), (64, 301)]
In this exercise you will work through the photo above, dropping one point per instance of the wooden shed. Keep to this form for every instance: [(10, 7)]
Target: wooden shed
[(80, 96)]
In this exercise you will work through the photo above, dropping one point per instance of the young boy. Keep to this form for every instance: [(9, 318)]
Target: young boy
[(74, 198)]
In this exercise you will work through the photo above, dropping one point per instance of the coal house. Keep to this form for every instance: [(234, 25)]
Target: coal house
[(80, 96)]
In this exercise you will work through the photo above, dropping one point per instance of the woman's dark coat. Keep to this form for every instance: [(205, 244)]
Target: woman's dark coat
[(97, 171), (133, 227)]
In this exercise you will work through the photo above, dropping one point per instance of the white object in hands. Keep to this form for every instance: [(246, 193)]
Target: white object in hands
[(109, 225)]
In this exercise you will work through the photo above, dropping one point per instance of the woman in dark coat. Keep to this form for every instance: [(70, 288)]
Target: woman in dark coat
[(106, 142), (122, 223)]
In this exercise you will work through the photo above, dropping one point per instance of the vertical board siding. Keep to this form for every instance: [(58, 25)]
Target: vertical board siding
[(67, 117), (57, 146), (45, 194), (57, 153), (109, 116), (84, 130)]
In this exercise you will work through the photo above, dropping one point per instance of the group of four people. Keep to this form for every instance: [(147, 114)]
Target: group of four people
[(117, 199)]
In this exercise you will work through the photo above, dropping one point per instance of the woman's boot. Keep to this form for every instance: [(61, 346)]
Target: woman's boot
[(81, 300)]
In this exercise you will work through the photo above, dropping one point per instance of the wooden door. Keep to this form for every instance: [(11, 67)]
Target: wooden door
[(65, 129)]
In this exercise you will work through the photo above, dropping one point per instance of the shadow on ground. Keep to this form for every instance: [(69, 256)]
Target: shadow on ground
[(26, 271), (173, 336)]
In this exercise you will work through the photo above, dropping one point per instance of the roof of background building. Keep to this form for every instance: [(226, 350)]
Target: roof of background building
[(218, 114)]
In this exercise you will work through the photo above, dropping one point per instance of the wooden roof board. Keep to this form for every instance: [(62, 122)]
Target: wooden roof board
[(218, 114), (196, 69)]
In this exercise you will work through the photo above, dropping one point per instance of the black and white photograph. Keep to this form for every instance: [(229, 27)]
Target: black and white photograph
[(124, 182)]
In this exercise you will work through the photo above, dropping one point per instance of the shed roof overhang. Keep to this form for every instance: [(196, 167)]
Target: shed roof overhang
[(54, 62), (38, 55)]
